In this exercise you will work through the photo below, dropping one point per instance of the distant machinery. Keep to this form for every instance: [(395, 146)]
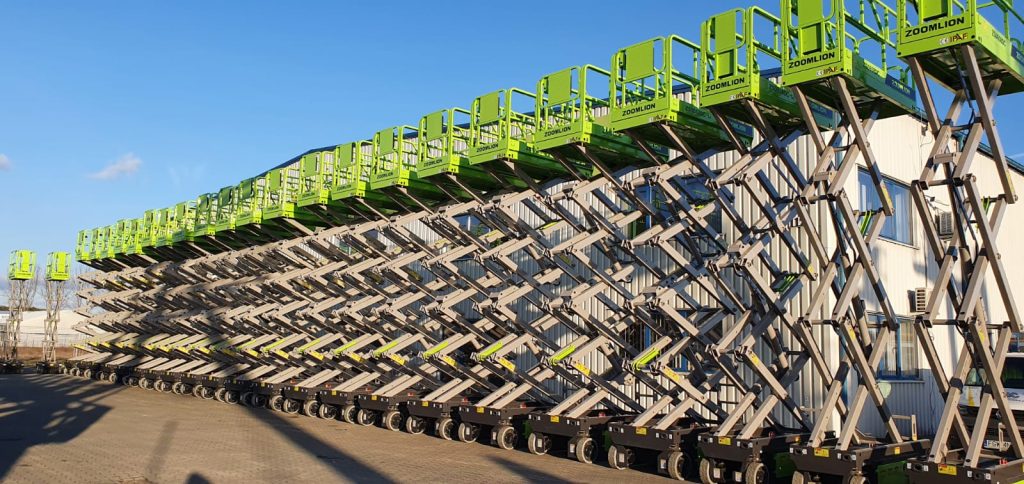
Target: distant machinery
[(58, 272), (21, 273)]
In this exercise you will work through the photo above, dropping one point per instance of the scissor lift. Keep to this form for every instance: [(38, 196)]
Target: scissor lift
[(839, 54), (20, 273), (58, 271), (969, 48)]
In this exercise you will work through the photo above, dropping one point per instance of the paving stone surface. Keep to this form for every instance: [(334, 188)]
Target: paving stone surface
[(63, 429)]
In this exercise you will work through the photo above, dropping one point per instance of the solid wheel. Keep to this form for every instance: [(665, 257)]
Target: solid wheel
[(310, 407), (291, 406), (800, 478), (87, 373), (393, 420), (165, 387), (619, 457), (757, 473), (327, 412), (468, 432), (349, 413), (366, 417), (415, 425), (219, 394), (126, 380), (858, 479), (444, 427), (246, 399), (176, 388), (276, 403), (678, 465), (231, 397), (506, 437), (206, 393), (103, 376), (144, 383), (538, 443), (704, 471), (585, 449), (259, 401), (197, 391)]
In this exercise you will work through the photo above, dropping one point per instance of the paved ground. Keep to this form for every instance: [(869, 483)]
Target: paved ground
[(56, 428)]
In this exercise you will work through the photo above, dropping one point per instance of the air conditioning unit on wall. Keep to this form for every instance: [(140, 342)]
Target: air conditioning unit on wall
[(919, 300), (944, 224)]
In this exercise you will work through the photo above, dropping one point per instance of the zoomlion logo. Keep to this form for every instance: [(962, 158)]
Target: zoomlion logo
[(557, 131), (486, 147), (814, 59), (924, 29), (638, 109), (724, 84)]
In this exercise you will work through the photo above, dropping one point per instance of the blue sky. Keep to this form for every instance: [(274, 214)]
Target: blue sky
[(110, 108)]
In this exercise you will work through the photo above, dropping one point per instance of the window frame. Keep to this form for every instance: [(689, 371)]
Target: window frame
[(911, 225), (875, 320)]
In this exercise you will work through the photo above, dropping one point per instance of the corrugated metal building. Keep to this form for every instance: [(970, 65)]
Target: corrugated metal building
[(901, 146)]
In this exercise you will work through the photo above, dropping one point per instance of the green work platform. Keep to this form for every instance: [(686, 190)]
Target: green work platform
[(83, 246), (227, 201), (206, 212), (656, 82), (733, 65), (393, 164), (58, 266), (825, 39), (22, 265), (185, 219), (568, 117), (252, 195), (501, 137), (930, 30)]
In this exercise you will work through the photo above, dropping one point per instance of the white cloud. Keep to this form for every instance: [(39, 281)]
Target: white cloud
[(123, 166), (5, 162)]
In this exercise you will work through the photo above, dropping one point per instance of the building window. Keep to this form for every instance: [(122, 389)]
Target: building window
[(899, 227), (900, 361)]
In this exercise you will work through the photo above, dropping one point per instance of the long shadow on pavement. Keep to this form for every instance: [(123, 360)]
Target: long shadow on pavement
[(34, 410), (343, 464)]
